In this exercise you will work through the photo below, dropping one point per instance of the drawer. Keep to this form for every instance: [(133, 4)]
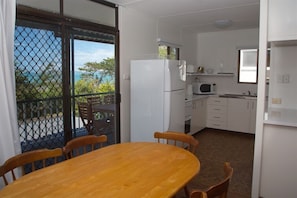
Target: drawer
[(216, 124), (218, 117), (217, 101), (216, 109)]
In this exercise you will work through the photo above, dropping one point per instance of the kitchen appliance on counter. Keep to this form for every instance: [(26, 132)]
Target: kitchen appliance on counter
[(157, 97), (204, 88), (190, 68)]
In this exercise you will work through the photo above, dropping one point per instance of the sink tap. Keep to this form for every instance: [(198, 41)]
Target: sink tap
[(249, 92)]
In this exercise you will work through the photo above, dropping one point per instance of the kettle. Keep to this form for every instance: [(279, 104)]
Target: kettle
[(200, 69)]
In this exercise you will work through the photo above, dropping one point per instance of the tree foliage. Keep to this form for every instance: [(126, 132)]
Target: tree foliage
[(47, 81), (96, 77), (44, 83)]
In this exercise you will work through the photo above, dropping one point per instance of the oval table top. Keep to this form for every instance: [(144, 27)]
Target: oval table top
[(137, 169)]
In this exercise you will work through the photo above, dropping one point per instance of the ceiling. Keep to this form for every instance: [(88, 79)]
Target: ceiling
[(199, 15)]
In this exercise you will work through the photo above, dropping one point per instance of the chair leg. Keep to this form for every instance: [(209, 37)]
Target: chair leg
[(186, 191)]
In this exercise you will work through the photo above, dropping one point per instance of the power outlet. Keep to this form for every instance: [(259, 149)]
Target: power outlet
[(286, 78), (276, 101), (280, 78)]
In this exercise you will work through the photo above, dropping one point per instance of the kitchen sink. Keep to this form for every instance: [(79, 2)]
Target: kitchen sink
[(236, 96)]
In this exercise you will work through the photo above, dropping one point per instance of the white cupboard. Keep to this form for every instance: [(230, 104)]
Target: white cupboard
[(282, 20), (217, 113), (198, 120), (253, 116), (241, 115)]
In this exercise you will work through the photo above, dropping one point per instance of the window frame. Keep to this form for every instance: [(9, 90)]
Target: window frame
[(41, 16), (239, 66), (169, 49)]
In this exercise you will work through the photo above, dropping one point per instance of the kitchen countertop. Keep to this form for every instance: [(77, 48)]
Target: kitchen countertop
[(281, 116), (196, 97)]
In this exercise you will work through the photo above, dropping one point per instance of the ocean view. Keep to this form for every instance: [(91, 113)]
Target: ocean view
[(77, 75), (31, 76)]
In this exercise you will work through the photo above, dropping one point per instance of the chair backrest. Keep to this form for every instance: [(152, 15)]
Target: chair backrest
[(84, 144), (178, 139), (30, 158), (108, 99), (85, 115), (218, 190), (95, 100)]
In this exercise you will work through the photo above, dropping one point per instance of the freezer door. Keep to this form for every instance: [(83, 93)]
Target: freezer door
[(174, 111), (175, 75)]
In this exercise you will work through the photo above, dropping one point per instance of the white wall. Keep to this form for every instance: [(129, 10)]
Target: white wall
[(283, 76), (138, 35), (138, 40), (279, 162), (221, 48), (169, 33), (188, 50)]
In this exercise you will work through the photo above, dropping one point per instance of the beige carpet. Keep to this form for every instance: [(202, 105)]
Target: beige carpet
[(218, 146)]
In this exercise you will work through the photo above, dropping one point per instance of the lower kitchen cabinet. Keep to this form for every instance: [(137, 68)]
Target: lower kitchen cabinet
[(241, 115), (234, 114), (198, 120), (253, 111), (217, 113), (238, 115)]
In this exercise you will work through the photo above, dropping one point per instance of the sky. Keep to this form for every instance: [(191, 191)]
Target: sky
[(88, 51), (38, 47)]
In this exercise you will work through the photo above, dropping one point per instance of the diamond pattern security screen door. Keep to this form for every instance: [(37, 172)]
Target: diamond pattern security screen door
[(59, 64), (38, 71)]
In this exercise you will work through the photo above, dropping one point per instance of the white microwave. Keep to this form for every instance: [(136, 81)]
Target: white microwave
[(203, 88)]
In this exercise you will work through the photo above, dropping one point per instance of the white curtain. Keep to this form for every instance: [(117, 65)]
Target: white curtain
[(9, 137)]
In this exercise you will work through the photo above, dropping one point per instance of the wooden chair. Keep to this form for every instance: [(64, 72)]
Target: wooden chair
[(218, 190), (97, 126), (30, 158), (84, 144), (178, 139), (109, 99), (86, 116), (95, 100)]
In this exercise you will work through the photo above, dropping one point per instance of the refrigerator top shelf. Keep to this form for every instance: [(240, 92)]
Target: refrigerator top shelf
[(217, 74)]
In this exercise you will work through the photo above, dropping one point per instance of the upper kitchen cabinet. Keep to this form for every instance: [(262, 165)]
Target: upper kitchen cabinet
[(282, 20), (282, 39)]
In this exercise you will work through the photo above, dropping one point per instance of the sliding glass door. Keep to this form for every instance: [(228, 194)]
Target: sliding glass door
[(93, 80), (60, 61)]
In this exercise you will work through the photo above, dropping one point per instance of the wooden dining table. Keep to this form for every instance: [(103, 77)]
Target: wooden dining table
[(137, 169)]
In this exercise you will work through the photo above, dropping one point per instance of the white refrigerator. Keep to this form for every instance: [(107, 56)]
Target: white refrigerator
[(157, 97)]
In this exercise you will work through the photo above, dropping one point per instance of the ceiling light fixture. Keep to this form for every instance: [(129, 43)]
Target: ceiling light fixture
[(223, 23)]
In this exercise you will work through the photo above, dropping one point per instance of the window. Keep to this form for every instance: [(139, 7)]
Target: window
[(168, 52), (247, 66)]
